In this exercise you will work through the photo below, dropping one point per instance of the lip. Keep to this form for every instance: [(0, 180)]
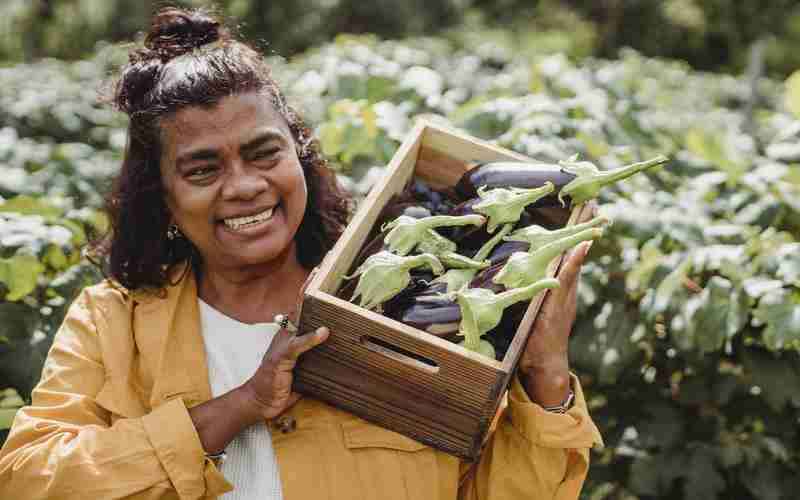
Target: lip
[(249, 213), (253, 230)]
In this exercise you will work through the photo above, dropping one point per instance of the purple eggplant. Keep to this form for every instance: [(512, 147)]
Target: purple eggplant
[(484, 278), (440, 318), (514, 174), (504, 250)]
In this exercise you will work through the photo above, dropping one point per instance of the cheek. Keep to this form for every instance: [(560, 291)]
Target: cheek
[(298, 198)]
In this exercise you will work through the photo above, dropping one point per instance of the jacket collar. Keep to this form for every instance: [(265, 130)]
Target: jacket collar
[(170, 326)]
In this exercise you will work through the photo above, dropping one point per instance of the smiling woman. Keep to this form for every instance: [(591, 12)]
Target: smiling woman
[(221, 209), (233, 183), (183, 139)]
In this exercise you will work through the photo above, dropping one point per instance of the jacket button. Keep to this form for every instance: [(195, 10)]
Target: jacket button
[(286, 423)]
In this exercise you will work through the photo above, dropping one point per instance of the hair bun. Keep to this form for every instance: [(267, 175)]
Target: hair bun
[(175, 32)]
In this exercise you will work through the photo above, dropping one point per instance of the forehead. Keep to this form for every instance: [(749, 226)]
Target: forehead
[(228, 122)]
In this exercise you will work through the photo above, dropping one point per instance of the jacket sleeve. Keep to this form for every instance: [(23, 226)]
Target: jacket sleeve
[(65, 446), (533, 454)]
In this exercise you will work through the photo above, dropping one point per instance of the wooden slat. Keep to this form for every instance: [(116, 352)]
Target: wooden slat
[(461, 381)]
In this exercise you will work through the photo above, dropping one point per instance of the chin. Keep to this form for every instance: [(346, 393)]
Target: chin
[(261, 253)]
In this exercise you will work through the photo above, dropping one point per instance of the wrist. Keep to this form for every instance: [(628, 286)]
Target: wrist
[(247, 405), (547, 386)]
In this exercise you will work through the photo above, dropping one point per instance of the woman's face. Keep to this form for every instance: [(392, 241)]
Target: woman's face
[(234, 185)]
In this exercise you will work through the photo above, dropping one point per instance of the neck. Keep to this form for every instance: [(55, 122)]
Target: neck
[(255, 294)]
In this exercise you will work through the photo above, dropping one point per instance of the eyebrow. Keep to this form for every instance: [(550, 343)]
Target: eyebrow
[(211, 154)]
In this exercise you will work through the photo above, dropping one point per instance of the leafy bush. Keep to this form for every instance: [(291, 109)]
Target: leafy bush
[(688, 336), (709, 34)]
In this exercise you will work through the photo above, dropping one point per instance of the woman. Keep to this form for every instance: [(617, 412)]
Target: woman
[(222, 208)]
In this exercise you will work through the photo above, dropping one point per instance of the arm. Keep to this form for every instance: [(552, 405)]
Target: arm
[(65, 446), (535, 452)]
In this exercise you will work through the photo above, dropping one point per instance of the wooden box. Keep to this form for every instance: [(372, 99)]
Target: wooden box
[(389, 373)]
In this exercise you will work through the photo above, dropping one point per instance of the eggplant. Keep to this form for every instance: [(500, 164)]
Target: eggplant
[(575, 181), (482, 310), (504, 250), (437, 317), (514, 174), (471, 238), (485, 278)]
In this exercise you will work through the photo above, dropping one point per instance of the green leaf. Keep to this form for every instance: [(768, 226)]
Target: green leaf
[(780, 311), (654, 475), (710, 148), (793, 93), (703, 479), (19, 274), (27, 205), (55, 257), (763, 481), (663, 426), (776, 376), (711, 317), (7, 417), (670, 286), (11, 399), (789, 264)]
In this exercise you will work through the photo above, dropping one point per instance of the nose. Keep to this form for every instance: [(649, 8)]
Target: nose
[(242, 183)]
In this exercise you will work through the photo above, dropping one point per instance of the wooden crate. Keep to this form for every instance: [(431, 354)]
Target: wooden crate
[(389, 373)]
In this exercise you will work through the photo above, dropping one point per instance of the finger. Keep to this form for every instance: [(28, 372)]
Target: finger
[(294, 397), (303, 343), (568, 275), (595, 208), (282, 338), (305, 285), (588, 212)]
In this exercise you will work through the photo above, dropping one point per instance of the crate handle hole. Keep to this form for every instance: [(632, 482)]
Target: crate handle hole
[(399, 354)]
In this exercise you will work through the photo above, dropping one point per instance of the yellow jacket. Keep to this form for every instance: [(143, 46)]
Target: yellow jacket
[(109, 419)]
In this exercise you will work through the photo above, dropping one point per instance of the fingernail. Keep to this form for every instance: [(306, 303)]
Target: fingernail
[(586, 247)]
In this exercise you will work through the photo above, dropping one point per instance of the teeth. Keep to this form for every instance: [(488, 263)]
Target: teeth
[(238, 222)]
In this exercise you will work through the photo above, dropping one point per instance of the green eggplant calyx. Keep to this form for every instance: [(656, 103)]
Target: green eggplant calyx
[(406, 232), (537, 236), (457, 279), (524, 268), (458, 261), (589, 180), (484, 251), (483, 347), (435, 243), (384, 275), (482, 309), (505, 205)]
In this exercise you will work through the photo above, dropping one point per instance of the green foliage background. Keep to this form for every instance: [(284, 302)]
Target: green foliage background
[(688, 336), (709, 34)]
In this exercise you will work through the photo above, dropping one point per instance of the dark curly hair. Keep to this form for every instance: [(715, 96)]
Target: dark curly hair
[(190, 59)]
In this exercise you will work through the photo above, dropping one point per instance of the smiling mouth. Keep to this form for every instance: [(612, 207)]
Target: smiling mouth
[(250, 220)]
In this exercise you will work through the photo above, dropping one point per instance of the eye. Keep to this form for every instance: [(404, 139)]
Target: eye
[(200, 173), (262, 154)]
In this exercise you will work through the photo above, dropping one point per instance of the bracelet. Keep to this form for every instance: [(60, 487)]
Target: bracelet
[(563, 407), (217, 457)]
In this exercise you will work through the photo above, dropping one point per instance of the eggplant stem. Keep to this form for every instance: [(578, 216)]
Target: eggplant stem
[(487, 247), (514, 295)]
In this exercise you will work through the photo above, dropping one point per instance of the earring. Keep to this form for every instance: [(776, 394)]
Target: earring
[(173, 232)]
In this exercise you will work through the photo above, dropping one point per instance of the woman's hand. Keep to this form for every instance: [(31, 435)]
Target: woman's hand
[(544, 365), (269, 390)]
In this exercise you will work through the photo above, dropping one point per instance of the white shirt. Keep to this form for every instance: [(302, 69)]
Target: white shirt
[(234, 351)]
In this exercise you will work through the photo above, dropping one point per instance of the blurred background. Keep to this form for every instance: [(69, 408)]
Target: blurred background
[(688, 336)]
